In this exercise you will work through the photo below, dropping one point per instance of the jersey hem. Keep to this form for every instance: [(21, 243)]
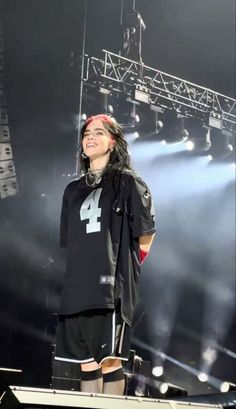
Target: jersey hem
[(100, 307), (144, 233), (113, 357)]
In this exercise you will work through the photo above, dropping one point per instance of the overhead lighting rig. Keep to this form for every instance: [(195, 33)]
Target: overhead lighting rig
[(161, 89)]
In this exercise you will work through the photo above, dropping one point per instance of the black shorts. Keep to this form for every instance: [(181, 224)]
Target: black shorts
[(93, 335)]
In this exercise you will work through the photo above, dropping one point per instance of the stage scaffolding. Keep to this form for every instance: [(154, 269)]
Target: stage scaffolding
[(116, 74)]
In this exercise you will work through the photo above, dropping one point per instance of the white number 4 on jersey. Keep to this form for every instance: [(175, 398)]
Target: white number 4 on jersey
[(90, 210)]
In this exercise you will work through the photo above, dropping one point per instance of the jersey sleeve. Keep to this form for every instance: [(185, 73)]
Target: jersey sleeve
[(141, 209), (64, 219)]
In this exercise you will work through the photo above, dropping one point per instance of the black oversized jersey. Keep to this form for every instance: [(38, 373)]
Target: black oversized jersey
[(100, 227)]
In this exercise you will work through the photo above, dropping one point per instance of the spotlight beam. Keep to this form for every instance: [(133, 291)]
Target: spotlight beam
[(195, 336), (166, 357), (215, 382)]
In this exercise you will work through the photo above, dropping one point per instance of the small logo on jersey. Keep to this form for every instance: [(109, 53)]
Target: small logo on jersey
[(146, 198), (107, 280), (146, 195), (103, 346)]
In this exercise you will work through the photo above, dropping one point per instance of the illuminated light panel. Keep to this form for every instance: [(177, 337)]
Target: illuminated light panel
[(163, 388), (203, 377), (190, 145), (157, 370), (227, 387), (224, 387)]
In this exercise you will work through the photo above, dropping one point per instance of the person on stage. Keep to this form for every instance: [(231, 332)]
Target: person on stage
[(107, 225)]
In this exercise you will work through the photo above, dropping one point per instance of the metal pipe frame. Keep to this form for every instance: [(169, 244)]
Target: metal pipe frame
[(122, 75)]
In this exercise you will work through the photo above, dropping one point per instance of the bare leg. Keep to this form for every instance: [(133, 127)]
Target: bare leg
[(91, 378), (113, 377)]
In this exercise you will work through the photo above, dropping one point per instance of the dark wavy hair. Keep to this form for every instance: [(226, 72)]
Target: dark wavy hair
[(119, 157)]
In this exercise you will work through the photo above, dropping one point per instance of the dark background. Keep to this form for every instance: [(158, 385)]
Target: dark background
[(190, 39)]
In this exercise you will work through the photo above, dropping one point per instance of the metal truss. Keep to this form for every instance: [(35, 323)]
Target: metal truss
[(118, 74)]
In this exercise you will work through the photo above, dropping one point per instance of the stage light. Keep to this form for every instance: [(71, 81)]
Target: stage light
[(131, 137), (203, 377), (134, 118), (106, 99), (199, 137), (163, 387), (110, 109), (190, 145), (223, 143), (168, 390), (205, 144), (158, 371), (174, 129), (163, 142), (180, 130), (201, 145), (152, 125), (224, 387), (227, 387), (159, 126)]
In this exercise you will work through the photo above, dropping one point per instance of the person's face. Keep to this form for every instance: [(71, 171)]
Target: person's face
[(97, 141)]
